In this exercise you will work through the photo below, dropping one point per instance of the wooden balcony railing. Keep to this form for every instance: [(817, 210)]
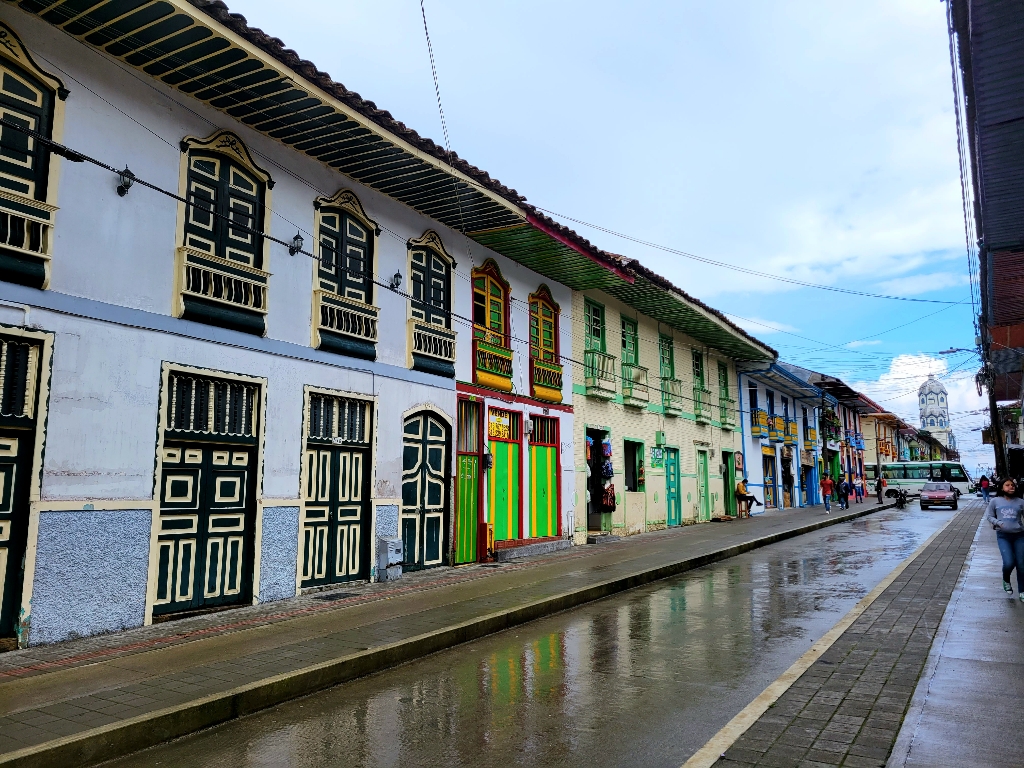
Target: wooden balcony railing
[(492, 365), (634, 385), (431, 348), (726, 411), (810, 439), (672, 397), (221, 292), (26, 241), (546, 380), (702, 404), (759, 423), (791, 432), (776, 429), (599, 374), (343, 325)]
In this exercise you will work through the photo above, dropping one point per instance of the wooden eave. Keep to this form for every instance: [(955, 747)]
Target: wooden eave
[(199, 48)]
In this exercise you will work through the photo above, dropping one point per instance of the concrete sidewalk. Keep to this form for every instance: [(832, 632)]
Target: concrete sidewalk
[(87, 701), (964, 711)]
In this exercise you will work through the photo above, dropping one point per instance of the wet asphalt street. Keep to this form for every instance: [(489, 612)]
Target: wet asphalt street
[(641, 679)]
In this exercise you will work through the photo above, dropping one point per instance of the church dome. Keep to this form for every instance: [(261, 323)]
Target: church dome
[(932, 385), (933, 400)]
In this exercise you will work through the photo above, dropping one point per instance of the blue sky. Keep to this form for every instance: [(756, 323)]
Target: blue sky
[(810, 139)]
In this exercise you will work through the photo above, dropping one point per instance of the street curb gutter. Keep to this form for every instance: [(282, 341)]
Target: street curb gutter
[(715, 748), (117, 739)]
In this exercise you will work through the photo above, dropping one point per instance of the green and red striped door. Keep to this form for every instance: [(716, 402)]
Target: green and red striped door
[(544, 477), (503, 503)]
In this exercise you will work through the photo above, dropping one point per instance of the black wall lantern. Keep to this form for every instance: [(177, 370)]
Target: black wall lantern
[(127, 178), (296, 245)]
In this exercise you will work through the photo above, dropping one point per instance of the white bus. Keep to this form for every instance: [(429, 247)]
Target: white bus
[(911, 475)]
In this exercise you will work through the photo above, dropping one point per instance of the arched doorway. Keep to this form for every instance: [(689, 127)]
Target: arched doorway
[(426, 444)]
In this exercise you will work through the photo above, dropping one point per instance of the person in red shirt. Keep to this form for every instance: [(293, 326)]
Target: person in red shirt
[(827, 486)]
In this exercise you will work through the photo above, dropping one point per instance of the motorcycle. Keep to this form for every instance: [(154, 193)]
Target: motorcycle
[(901, 499)]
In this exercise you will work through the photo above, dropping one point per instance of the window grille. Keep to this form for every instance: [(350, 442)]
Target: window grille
[(338, 419), (469, 427), (19, 364), (210, 406), (545, 431)]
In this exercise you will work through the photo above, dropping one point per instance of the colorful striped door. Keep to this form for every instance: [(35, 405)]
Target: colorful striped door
[(543, 491), (503, 490), (468, 493)]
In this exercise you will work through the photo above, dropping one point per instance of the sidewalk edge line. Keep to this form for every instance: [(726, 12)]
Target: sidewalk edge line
[(707, 755), (107, 742)]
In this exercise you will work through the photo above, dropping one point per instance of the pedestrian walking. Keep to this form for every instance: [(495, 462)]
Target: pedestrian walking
[(984, 484), (844, 494), (742, 495), (826, 491), (1006, 514), (880, 489), (858, 488)]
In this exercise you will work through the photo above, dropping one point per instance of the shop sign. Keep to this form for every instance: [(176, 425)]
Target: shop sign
[(499, 424), (657, 457)]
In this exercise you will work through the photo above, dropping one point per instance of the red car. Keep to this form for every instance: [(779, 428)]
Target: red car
[(938, 494)]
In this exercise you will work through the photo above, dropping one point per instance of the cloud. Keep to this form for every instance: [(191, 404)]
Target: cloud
[(911, 285), (896, 391), (758, 325), (871, 343)]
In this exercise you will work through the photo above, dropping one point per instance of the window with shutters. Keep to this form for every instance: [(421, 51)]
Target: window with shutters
[(221, 270), (545, 364), (630, 342), (344, 316), (31, 104), (492, 355), (667, 357), (431, 339)]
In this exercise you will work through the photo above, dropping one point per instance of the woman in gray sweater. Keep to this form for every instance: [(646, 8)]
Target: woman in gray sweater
[(1006, 514)]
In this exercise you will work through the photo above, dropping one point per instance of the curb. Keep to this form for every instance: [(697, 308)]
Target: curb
[(118, 739)]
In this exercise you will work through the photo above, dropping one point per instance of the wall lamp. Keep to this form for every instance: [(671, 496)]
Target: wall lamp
[(296, 245), (396, 281), (127, 178)]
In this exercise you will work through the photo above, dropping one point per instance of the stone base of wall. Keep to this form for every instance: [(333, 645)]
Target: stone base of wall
[(529, 550), (278, 552)]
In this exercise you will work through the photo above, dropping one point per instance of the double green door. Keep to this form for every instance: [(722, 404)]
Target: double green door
[(424, 517), (543, 490), (703, 492), (673, 501), (468, 495), (503, 490)]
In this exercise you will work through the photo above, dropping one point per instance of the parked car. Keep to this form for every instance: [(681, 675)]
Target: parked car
[(938, 494)]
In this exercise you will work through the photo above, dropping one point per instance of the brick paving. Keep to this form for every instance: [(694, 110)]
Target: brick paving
[(69, 690), (848, 707)]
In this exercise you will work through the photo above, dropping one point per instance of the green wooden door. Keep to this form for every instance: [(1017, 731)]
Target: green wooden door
[(424, 519), (18, 386), (730, 483), (703, 496), (503, 490), (207, 519), (674, 504), (468, 495), (336, 516), (543, 490)]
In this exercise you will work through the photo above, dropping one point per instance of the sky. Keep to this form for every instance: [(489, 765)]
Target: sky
[(798, 138)]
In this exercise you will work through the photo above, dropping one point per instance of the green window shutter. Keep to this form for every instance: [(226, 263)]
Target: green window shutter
[(430, 275), (225, 209), (667, 355), (593, 315), (698, 368), (630, 346)]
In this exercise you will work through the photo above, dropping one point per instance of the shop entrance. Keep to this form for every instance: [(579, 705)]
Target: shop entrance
[(600, 488), (672, 498), (467, 496)]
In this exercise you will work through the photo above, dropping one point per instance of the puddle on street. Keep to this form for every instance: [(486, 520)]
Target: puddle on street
[(643, 678)]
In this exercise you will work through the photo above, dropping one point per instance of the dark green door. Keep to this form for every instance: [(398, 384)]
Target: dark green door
[(207, 493), (730, 483), (207, 518), (336, 516), (425, 449), (674, 504), (19, 376)]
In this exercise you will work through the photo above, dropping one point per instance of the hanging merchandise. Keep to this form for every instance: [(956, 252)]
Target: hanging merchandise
[(590, 446), (607, 470), (606, 447), (640, 473), (609, 496), (589, 471)]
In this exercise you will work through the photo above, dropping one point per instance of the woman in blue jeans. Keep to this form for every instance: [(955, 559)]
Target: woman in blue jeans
[(1006, 514)]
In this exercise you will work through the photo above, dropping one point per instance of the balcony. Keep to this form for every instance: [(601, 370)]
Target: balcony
[(431, 348), (726, 412), (599, 374), (810, 439), (702, 404), (344, 326), (776, 429), (25, 240), (759, 423), (672, 397), (546, 381), (492, 365), (635, 392), (219, 292), (791, 432)]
